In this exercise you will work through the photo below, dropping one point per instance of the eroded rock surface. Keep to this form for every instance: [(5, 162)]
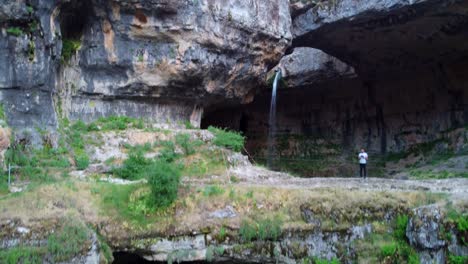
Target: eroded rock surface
[(163, 60)]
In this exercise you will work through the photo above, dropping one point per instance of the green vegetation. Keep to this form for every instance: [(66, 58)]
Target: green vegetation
[(69, 48), (267, 228), (452, 259), (69, 241), (187, 145), (188, 125), (15, 31), (164, 180), (133, 167), (25, 255), (2, 112), (326, 261), (397, 249), (212, 252), (460, 222), (429, 174), (31, 50), (228, 139), (212, 190)]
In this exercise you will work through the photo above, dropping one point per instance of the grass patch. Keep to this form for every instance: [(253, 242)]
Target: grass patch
[(228, 139), (429, 174), (213, 190), (263, 229), (26, 255), (71, 240), (2, 112)]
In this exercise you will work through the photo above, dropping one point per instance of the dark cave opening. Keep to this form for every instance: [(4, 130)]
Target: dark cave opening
[(74, 17), (121, 257)]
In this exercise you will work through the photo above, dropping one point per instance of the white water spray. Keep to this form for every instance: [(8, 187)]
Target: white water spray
[(272, 121)]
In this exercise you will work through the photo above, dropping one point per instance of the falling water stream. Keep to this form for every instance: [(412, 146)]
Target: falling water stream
[(272, 121)]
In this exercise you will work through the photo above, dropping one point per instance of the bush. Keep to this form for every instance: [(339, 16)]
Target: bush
[(183, 140), (212, 190), (69, 48), (168, 153), (82, 161), (400, 228), (133, 167), (452, 259), (68, 242), (247, 231), (164, 179), (228, 139)]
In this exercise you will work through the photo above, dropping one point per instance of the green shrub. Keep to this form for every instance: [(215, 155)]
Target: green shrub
[(15, 31), (222, 234), (133, 167), (228, 139), (168, 153), (212, 190), (164, 179), (247, 231), (2, 112), (69, 48), (388, 250), (183, 140), (68, 242), (189, 125), (400, 228), (16, 155), (82, 161), (452, 259), (268, 228)]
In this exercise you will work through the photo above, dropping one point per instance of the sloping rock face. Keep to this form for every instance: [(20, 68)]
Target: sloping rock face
[(164, 60), (306, 66), (379, 36)]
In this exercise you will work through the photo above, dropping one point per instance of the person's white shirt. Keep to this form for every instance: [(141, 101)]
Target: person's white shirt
[(363, 158)]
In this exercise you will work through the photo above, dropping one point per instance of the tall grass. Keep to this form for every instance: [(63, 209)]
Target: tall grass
[(228, 139)]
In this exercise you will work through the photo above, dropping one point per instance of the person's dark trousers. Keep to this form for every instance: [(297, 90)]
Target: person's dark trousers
[(363, 170)]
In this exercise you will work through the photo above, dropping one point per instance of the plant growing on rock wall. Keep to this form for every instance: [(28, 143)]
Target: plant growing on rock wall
[(69, 48), (15, 31), (70, 240)]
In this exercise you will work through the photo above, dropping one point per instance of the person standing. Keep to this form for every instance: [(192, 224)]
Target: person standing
[(363, 157)]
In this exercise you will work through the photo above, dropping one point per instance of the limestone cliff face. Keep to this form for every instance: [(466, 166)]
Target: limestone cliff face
[(385, 75), (164, 60)]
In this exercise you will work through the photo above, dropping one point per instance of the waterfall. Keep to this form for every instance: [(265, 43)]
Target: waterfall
[(272, 121)]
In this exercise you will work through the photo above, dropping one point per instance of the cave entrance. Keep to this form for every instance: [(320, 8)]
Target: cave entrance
[(132, 258), (73, 18)]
